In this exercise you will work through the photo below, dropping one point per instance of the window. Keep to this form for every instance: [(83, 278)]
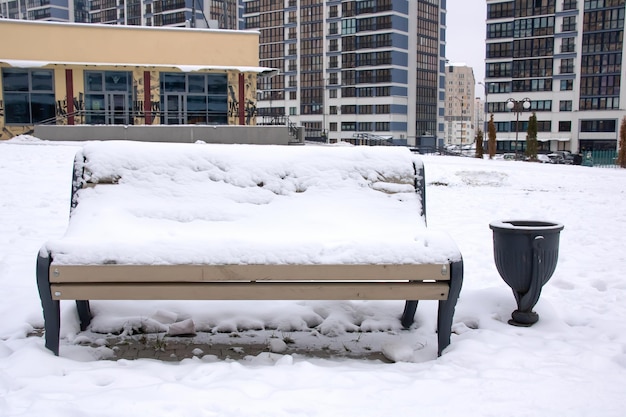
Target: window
[(568, 45), (598, 126), (382, 127), (333, 62), (499, 50), (537, 26), (28, 96), (541, 105), (565, 126), (495, 11), (565, 105), (500, 87), (194, 98), (535, 84), (534, 47), (348, 26), (500, 30), (567, 85), (569, 24), (499, 69), (598, 103), (567, 66), (569, 4), (348, 126)]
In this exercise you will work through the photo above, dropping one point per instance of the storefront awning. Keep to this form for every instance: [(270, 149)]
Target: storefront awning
[(556, 139), (263, 71)]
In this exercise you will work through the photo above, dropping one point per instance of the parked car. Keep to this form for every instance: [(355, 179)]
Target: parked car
[(544, 159), (513, 156), (561, 157)]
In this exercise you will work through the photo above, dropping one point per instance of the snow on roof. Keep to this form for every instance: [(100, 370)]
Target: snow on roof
[(185, 68), (249, 204)]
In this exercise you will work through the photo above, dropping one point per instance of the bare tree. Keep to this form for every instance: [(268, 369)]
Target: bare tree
[(621, 155), (479, 144), (492, 137)]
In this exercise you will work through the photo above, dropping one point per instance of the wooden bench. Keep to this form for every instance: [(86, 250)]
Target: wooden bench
[(243, 222)]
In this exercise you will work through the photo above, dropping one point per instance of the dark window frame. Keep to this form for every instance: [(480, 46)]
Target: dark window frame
[(29, 103)]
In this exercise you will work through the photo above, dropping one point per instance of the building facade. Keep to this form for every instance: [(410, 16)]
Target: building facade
[(460, 114), (365, 72), (223, 14), (564, 57), (196, 76)]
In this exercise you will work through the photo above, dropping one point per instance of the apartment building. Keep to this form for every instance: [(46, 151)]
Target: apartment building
[(223, 14), (460, 115), (366, 72), (563, 60)]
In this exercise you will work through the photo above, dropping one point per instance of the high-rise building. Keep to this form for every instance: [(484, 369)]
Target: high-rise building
[(177, 13), (564, 60), (460, 122), (359, 71)]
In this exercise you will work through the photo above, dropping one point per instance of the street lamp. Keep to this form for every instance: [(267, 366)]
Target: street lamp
[(517, 106), (486, 92)]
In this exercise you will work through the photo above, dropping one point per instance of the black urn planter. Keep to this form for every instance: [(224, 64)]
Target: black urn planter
[(526, 253)]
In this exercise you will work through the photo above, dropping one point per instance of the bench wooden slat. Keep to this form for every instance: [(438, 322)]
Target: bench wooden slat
[(253, 291), (230, 273)]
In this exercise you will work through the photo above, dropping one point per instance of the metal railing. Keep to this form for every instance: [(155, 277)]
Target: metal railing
[(600, 159)]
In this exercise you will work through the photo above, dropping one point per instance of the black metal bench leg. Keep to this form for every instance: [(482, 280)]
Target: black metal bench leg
[(84, 313), (408, 315), (447, 307), (51, 312)]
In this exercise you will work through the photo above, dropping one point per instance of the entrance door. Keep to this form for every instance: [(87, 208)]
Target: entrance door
[(117, 109), (174, 109)]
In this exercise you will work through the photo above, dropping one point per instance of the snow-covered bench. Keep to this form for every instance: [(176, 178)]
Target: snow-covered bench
[(163, 221)]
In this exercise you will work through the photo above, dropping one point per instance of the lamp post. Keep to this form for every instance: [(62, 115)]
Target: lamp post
[(517, 106), (484, 113)]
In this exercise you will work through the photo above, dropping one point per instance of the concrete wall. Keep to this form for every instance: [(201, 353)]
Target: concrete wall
[(259, 135)]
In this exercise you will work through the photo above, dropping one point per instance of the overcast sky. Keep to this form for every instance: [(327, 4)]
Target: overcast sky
[(466, 36)]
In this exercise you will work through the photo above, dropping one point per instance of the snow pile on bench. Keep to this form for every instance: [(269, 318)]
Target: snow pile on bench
[(163, 204)]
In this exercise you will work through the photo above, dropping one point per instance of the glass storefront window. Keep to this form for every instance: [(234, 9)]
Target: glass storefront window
[(196, 84), (194, 98), (16, 108), (15, 80), (93, 81), (173, 82), (216, 84), (28, 96), (116, 81), (196, 109), (42, 81)]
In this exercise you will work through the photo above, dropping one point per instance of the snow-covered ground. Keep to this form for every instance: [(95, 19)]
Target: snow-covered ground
[(571, 363)]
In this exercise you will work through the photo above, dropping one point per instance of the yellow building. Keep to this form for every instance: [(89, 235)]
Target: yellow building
[(70, 74)]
